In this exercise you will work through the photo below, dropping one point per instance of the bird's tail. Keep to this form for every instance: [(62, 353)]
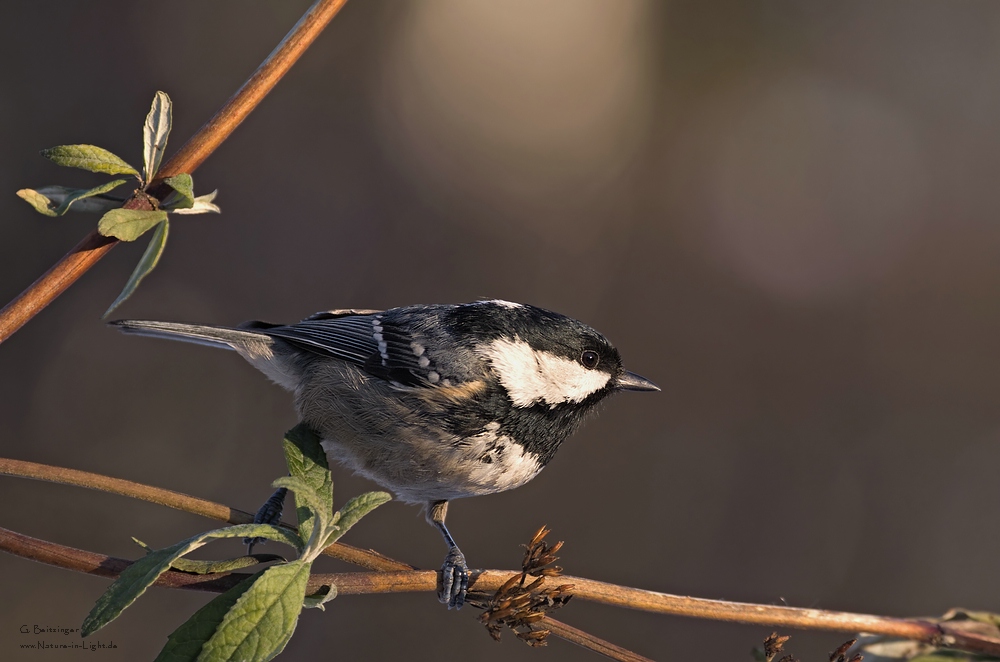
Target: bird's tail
[(201, 334), (268, 355)]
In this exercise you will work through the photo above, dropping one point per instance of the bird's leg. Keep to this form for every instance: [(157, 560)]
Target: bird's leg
[(454, 573), (269, 513)]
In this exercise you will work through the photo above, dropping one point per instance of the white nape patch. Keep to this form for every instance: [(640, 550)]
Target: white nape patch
[(383, 348), (532, 376), (499, 302)]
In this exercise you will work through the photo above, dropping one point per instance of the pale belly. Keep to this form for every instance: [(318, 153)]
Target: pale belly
[(420, 470)]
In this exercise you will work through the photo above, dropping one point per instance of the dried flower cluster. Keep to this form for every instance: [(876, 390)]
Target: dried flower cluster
[(521, 606), (775, 644)]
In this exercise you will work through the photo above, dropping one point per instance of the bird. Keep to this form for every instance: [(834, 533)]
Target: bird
[(432, 402)]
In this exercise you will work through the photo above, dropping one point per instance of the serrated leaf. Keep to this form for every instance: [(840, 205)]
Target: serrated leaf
[(306, 460), (354, 510), (147, 263), (183, 186), (201, 205), (155, 132), (89, 157), (129, 224), (263, 619), (41, 203), (139, 576), (185, 643)]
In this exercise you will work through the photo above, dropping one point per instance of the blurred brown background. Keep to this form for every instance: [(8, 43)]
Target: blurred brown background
[(785, 213)]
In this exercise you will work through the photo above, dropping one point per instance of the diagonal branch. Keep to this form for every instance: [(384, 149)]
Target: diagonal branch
[(94, 246)]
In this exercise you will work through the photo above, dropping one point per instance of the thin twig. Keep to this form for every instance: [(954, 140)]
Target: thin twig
[(398, 577), (94, 246), (590, 642), (368, 559)]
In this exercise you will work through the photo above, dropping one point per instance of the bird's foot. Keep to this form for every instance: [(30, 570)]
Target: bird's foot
[(269, 513), (454, 579)]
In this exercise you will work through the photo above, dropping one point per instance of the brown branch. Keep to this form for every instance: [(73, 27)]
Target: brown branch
[(94, 246), (368, 559), (398, 577), (88, 562), (590, 642), (408, 581), (216, 130), (349, 583)]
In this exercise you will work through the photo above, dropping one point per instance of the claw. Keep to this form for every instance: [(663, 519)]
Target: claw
[(454, 579), (269, 513)]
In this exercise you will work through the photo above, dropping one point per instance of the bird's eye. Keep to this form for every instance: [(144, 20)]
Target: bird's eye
[(589, 359)]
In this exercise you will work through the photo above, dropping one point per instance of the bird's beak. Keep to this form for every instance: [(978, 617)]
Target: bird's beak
[(633, 382)]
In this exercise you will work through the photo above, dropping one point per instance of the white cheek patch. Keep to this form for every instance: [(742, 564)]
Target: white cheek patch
[(531, 376)]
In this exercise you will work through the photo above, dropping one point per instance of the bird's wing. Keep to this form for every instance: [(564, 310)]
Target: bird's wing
[(378, 346)]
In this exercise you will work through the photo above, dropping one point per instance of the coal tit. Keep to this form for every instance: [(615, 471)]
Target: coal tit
[(433, 402)]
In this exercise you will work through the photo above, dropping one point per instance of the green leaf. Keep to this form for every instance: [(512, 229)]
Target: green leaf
[(325, 594), (132, 583), (78, 195), (71, 196), (201, 205), (136, 578), (306, 460), (185, 643), (149, 260), (129, 224), (183, 185), (57, 200), (310, 499), (92, 203), (89, 157), (354, 510), (263, 619), (198, 567), (154, 134), (41, 203)]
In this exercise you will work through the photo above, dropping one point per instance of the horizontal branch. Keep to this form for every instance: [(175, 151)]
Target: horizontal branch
[(347, 583), (409, 581)]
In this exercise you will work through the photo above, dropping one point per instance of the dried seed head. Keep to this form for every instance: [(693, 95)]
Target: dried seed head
[(840, 655), (774, 644), (522, 606)]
